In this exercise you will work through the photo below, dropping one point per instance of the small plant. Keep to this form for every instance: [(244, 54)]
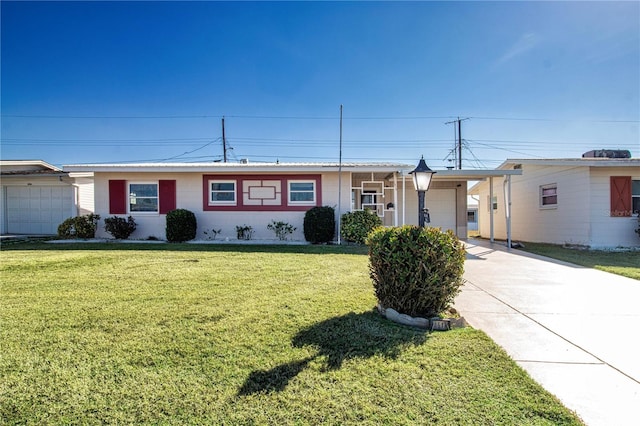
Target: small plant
[(212, 233), (416, 271), (181, 226), (638, 230), (79, 226), (281, 229), (244, 232), (120, 227), (319, 224), (355, 226)]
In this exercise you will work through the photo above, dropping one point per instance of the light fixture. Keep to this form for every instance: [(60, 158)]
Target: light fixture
[(422, 175)]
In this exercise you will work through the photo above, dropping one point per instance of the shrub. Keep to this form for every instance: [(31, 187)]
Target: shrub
[(416, 271), (79, 226), (355, 226), (281, 229), (181, 225), (319, 224), (120, 227), (244, 232), (638, 230)]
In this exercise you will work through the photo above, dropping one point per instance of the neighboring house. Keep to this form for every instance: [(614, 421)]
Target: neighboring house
[(226, 195), (36, 197), (472, 216), (590, 202)]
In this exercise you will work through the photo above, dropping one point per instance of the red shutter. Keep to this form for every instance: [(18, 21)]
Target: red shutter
[(620, 195), (167, 193), (117, 196)]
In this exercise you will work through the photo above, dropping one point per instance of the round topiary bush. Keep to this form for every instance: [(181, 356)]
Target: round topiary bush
[(355, 226), (416, 271), (319, 224), (120, 227), (181, 225)]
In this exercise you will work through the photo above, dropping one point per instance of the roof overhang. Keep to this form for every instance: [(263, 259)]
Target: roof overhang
[(573, 162), (235, 167)]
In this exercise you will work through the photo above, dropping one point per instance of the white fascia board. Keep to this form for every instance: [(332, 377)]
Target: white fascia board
[(573, 162), (231, 168)]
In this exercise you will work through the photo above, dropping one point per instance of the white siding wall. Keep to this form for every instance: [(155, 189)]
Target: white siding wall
[(582, 216), (607, 231)]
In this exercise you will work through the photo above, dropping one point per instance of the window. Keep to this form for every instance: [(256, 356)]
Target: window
[(495, 202), (222, 192), (549, 196), (471, 216), (635, 196), (143, 197), (302, 192)]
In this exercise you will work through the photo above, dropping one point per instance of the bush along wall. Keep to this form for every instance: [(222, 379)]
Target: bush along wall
[(181, 226), (319, 224), (355, 226), (416, 271), (79, 226), (120, 227)]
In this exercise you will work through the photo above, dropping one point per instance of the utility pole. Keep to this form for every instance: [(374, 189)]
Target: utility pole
[(224, 143), (459, 144), (458, 148)]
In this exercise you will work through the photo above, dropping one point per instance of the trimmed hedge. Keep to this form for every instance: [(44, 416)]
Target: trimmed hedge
[(181, 226), (319, 224), (416, 271), (355, 226), (79, 226)]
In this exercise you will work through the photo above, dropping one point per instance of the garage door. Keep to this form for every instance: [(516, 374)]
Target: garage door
[(442, 208), (38, 209)]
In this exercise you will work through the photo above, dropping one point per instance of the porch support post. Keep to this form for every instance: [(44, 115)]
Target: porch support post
[(395, 198), (491, 208), (507, 194), (404, 198)]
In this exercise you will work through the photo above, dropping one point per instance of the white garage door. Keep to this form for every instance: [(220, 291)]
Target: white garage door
[(38, 209), (442, 208)]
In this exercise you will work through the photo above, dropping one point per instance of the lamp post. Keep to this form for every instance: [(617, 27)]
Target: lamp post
[(422, 175)]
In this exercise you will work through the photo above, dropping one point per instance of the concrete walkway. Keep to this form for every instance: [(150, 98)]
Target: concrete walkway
[(575, 330)]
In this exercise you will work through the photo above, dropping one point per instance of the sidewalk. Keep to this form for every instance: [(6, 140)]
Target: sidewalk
[(575, 330)]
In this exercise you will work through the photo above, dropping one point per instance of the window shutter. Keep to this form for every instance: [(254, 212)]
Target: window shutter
[(117, 196), (620, 196), (167, 193)]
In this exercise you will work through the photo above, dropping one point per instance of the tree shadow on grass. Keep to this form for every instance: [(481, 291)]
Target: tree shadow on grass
[(338, 339)]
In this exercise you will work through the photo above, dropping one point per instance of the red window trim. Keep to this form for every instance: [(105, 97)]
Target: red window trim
[(167, 196), (284, 206)]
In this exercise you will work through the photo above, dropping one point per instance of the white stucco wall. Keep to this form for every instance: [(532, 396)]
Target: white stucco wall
[(189, 196)]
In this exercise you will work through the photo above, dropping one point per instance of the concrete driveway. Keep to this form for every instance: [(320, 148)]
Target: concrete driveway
[(575, 330)]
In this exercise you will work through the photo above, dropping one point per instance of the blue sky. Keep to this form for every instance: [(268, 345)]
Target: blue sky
[(87, 82)]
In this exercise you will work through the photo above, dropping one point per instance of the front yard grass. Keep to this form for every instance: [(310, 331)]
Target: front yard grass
[(625, 263), (187, 334)]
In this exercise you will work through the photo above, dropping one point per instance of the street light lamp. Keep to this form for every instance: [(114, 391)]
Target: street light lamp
[(422, 175)]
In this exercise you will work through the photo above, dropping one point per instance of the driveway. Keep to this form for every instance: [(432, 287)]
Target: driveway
[(575, 330)]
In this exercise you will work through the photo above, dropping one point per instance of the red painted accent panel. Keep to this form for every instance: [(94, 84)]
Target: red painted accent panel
[(620, 196), (167, 193), (117, 197), (239, 196)]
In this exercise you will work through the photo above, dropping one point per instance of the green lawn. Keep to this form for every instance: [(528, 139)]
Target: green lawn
[(622, 263), (205, 334)]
